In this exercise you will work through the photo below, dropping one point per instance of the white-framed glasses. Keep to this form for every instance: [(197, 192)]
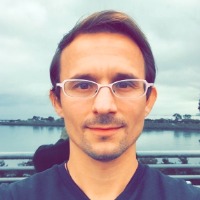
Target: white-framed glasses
[(128, 88)]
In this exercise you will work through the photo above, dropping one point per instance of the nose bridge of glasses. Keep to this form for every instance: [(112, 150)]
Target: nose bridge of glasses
[(105, 86)]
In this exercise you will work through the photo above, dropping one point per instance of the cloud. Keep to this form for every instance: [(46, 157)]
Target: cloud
[(17, 18), (31, 30)]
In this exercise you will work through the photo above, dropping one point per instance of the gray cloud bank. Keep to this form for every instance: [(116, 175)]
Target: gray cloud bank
[(31, 30)]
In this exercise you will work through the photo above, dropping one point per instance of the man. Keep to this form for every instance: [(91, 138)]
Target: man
[(102, 76)]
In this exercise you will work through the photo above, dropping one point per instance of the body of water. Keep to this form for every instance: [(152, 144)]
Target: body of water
[(28, 139)]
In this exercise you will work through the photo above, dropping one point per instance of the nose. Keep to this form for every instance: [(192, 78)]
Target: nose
[(104, 102)]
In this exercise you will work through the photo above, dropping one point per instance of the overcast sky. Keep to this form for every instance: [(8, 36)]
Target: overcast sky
[(30, 31)]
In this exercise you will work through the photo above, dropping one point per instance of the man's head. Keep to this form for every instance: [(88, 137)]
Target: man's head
[(105, 48), (110, 22)]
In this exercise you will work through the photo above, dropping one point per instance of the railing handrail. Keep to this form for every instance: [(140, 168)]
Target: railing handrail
[(140, 154), (157, 154), (18, 168), (16, 155), (190, 153)]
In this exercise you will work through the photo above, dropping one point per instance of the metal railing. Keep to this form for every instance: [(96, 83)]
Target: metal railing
[(142, 156)]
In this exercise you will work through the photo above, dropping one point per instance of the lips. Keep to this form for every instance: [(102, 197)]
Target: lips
[(104, 127), (104, 130)]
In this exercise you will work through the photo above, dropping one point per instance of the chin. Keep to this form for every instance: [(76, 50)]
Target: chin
[(104, 157), (106, 154)]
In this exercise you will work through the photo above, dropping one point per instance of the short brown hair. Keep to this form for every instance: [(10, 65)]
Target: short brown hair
[(105, 21)]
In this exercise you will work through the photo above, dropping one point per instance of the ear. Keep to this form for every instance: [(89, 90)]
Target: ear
[(56, 104), (150, 101)]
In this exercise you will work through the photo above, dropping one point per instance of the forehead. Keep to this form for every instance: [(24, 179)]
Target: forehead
[(101, 55)]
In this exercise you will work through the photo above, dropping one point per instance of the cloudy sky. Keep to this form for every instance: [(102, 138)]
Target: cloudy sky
[(30, 31)]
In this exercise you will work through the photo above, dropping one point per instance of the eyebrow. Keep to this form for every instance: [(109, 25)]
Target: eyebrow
[(84, 76), (123, 76), (117, 77)]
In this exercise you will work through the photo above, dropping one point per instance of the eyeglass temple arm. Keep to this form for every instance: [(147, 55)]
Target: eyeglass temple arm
[(60, 84)]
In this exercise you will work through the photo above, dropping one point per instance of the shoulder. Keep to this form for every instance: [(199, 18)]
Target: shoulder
[(168, 186), (32, 186)]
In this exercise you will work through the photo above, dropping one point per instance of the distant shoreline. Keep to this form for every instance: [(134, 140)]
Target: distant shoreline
[(153, 125), (33, 123), (161, 124)]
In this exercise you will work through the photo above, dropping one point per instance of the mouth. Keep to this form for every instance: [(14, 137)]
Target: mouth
[(104, 130), (104, 125)]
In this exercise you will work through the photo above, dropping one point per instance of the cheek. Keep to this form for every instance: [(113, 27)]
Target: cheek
[(74, 113), (135, 115), (135, 109)]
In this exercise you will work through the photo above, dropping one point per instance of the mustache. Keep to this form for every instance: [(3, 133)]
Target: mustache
[(104, 119)]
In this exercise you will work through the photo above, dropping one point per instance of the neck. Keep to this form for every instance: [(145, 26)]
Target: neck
[(95, 178)]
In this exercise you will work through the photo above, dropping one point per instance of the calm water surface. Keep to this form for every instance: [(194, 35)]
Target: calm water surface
[(28, 138)]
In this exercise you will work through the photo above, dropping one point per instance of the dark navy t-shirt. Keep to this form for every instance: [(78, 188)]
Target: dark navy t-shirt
[(56, 184)]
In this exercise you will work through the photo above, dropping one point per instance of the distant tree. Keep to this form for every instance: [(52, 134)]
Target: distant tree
[(199, 106), (177, 116), (186, 116), (50, 119), (60, 120), (43, 119), (36, 118)]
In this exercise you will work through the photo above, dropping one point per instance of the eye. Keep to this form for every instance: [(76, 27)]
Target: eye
[(83, 85), (125, 84)]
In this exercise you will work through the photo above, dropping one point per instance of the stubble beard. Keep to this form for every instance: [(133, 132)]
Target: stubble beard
[(104, 119), (108, 155)]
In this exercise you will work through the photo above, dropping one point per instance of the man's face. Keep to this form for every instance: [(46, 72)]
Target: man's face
[(105, 126)]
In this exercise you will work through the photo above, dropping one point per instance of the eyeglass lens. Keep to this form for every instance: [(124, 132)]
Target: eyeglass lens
[(124, 88)]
